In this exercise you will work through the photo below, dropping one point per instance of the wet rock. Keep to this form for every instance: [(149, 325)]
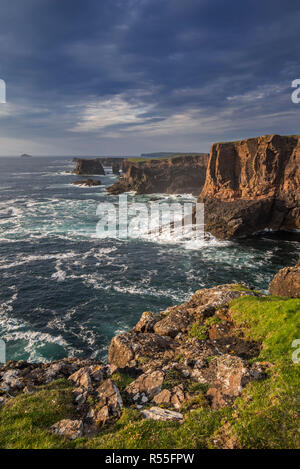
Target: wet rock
[(156, 413), (71, 429), (175, 322)]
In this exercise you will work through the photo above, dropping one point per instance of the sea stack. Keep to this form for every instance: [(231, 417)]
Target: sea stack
[(86, 166), (252, 185)]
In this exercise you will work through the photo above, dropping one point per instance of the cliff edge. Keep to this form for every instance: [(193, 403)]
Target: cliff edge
[(175, 175), (252, 185)]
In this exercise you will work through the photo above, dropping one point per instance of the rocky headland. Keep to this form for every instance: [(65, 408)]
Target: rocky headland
[(85, 166), (174, 175), (252, 185), (210, 371)]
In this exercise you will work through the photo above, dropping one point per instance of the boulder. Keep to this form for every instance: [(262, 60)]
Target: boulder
[(287, 282), (71, 429), (109, 403), (88, 166), (156, 413)]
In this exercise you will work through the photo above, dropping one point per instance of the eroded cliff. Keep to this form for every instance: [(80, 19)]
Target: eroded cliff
[(252, 185), (178, 175)]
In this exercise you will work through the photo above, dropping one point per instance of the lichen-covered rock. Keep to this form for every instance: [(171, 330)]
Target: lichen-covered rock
[(132, 349), (287, 282), (156, 413), (145, 387), (176, 321), (109, 403), (71, 429)]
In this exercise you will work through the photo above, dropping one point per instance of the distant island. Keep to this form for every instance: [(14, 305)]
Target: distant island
[(25, 155)]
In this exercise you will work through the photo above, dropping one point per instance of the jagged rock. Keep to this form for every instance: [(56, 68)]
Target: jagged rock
[(71, 429), (109, 403), (127, 350), (11, 381), (176, 321), (145, 387), (88, 166), (156, 413), (174, 397), (147, 322), (287, 282)]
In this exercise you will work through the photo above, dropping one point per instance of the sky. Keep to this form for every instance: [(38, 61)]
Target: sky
[(124, 77)]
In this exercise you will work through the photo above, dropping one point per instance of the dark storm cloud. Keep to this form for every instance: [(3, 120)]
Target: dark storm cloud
[(124, 76)]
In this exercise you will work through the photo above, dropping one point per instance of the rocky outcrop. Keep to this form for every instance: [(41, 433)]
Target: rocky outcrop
[(87, 182), (88, 166), (187, 356), (178, 175), (252, 185), (287, 282)]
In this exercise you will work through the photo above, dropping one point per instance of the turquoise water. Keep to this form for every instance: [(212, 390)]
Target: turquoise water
[(65, 292)]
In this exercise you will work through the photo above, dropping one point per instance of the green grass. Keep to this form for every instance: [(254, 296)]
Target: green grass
[(272, 320), (25, 421)]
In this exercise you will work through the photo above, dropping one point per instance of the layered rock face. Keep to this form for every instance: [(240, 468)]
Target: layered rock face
[(178, 175), (88, 166), (287, 282), (252, 185)]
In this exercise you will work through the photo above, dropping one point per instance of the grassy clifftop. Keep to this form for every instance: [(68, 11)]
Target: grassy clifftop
[(266, 415)]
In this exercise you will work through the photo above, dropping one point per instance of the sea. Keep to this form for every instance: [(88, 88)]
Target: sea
[(66, 291)]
